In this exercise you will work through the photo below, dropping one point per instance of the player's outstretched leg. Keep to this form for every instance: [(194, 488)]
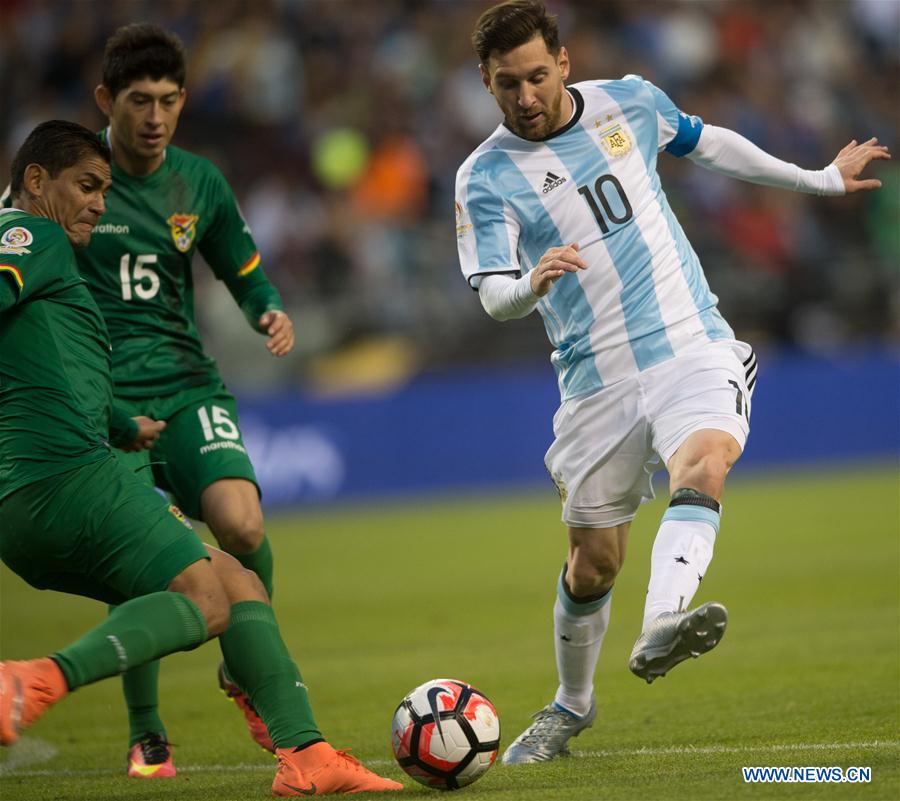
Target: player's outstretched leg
[(258, 662), (258, 731), (675, 636), (548, 736), (139, 630), (682, 552), (27, 690), (151, 758), (319, 769)]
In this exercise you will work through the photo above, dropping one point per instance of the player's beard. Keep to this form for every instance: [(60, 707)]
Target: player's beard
[(550, 122)]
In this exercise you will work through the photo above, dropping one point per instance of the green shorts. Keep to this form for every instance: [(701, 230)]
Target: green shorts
[(98, 531), (200, 445)]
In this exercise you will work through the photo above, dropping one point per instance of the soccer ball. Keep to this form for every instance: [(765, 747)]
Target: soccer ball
[(445, 734)]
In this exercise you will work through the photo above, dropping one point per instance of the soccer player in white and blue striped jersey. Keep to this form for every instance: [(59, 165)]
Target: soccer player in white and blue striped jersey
[(561, 209)]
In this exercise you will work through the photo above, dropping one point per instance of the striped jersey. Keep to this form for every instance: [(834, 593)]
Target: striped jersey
[(138, 267), (643, 298)]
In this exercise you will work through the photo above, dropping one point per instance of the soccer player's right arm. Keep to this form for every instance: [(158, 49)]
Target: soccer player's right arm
[(504, 297), (485, 229), (487, 235)]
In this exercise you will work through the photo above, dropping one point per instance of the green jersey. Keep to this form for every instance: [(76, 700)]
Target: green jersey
[(138, 267), (55, 385)]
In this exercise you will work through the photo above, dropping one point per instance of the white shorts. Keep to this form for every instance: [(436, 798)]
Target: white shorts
[(609, 443)]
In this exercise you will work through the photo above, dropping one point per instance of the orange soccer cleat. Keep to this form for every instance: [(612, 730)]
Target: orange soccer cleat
[(151, 758), (319, 769), (255, 724), (27, 690)]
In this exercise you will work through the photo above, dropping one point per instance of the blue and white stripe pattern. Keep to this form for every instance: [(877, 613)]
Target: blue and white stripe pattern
[(644, 297), (696, 514)]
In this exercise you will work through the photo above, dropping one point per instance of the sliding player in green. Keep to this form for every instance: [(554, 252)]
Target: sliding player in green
[(74, 519), (165, 206)]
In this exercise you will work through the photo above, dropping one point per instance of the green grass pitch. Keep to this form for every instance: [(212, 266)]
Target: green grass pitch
[(374, 600)]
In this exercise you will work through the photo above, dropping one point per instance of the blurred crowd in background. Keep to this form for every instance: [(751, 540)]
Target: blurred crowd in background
[(341, 123)]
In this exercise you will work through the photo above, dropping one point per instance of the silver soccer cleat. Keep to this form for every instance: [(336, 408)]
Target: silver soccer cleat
[(677, 636), (546, 738)]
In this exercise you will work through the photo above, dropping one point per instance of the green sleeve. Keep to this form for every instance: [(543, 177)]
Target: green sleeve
[(44, 258), (230, 251), (8, 295), (255, 295), (123, 429)]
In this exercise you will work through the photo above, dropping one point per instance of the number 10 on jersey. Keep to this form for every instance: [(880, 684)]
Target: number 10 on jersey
[(607, 211)]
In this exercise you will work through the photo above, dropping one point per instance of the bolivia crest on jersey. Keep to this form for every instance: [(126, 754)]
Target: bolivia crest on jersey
[(614, 140), (179, 516), (16, 240), (184, 229)]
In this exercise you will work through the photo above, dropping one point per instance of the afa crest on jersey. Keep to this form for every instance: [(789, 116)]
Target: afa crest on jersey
[(614, 140), (184, 230)]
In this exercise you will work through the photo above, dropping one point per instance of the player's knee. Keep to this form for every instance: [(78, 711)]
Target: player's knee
[(591, 577), (713, 470), (217, 617), (200, 584), (240, 584), (212, 601), (243, 534)]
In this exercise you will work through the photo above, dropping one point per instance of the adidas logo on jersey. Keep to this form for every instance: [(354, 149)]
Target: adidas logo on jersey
[(551, 182)]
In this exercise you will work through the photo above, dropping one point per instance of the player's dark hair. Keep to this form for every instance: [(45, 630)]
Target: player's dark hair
[(509, 25), (142, 50), (55, 145)]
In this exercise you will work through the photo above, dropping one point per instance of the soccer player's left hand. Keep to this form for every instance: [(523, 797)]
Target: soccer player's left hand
[(852, 160), (147, 435), (280, 330)]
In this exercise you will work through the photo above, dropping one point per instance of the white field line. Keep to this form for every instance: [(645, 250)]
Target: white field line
[(38, 751), (678, 750)]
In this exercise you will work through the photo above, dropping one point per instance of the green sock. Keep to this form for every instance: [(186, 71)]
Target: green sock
[(140, 686), (260, 562), (261, 666), (136, 632)]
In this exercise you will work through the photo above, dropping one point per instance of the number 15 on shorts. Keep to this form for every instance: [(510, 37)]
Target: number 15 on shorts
[(217, 422)]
